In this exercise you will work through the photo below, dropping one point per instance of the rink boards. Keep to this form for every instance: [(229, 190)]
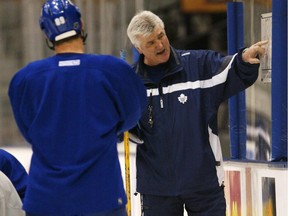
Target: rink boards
[(251, 188)]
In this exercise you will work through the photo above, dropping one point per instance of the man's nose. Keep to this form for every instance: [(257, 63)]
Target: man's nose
[(159, 44)]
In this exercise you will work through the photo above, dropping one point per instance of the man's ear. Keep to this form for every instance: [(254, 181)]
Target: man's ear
[(138, 49)]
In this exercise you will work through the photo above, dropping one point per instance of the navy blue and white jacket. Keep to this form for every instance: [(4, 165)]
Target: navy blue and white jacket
[(181, 153)]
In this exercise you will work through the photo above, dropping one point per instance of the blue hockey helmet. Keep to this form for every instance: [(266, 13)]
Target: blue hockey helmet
[(60, 19)]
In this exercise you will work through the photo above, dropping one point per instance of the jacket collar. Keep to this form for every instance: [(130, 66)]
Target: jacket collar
[(174, 66)]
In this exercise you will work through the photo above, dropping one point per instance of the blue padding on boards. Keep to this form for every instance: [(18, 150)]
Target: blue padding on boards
[(279, 79), (237, 103)]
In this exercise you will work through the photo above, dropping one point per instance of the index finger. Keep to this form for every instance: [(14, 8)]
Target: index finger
[(260, 43)]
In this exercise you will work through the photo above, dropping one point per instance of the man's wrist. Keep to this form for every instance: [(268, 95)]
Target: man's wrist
[(243, 56), (244, 50)]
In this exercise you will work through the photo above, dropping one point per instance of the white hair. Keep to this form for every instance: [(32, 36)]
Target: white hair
[(143, 23)]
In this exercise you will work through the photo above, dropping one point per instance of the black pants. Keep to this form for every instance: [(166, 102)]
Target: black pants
[(204, 203)]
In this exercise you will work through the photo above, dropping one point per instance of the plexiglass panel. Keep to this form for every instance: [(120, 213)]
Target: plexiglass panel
[(258, 97)]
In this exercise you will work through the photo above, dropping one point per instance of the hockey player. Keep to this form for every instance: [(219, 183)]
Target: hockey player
[(71, 107), (180, 163), (15, 171)]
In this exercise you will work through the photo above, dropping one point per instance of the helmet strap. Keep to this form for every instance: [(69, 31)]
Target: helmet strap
[(84, 36), (50, 44)]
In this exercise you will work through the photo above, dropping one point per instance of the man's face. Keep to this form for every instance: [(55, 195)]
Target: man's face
[(155, 47)]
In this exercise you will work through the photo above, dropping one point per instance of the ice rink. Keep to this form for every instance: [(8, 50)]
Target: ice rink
[(251, 189)]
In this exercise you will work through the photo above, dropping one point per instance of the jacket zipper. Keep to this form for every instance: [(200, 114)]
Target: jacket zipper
[(150, 109), (160, 89)]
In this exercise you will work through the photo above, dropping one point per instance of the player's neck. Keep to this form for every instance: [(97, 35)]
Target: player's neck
[(73, 46)]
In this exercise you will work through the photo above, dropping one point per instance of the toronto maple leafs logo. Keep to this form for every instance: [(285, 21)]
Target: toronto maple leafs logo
[(182, 98)]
